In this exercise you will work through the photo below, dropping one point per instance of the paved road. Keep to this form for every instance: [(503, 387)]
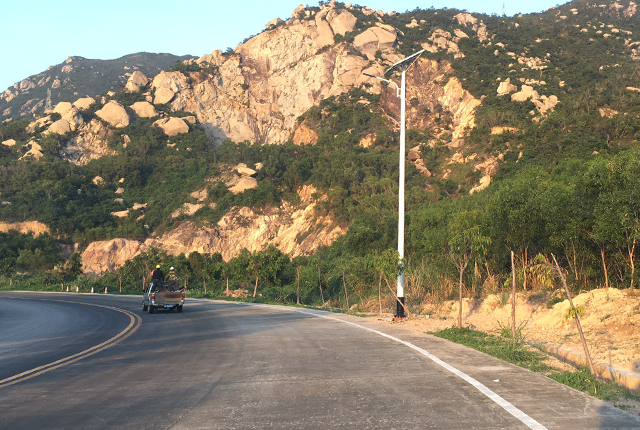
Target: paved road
[(254, 367)]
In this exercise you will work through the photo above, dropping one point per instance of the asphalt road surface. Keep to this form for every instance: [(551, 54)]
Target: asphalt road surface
[(74, 361)]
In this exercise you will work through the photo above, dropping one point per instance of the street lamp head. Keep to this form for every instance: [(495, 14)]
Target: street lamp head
[(405, 63)]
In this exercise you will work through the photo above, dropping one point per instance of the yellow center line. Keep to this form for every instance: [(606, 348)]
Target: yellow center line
[(134, 324)]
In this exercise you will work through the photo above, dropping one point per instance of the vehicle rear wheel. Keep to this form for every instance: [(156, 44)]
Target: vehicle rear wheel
[(179, 308), (152, 309)]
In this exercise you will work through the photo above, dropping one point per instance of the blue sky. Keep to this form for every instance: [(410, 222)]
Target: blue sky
[(39, 33)]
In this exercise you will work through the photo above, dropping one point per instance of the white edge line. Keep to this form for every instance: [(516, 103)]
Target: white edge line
[(517, 413)]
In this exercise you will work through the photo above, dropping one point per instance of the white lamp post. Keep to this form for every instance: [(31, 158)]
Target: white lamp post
[(401, 65)]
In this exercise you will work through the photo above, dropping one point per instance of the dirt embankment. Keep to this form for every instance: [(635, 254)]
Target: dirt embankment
[(611, 322)]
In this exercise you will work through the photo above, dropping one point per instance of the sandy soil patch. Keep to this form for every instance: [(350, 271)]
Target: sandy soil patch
[(611, 321)]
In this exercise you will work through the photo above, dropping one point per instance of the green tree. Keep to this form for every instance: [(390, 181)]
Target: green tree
[(387, 265), (266, 265), (466, 242), (73, 266)]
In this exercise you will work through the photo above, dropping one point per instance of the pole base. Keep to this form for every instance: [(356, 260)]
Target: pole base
[(400, 315)]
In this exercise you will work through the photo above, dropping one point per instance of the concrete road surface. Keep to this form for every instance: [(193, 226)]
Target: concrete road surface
[(80, 361)]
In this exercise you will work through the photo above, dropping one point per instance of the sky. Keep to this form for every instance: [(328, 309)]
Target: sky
[(39, 33)]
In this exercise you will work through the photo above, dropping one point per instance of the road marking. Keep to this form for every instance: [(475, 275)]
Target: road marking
[(517, 413), (134, 324), (524, 418)]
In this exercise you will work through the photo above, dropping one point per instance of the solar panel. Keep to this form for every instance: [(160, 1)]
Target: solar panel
[(406, 63)]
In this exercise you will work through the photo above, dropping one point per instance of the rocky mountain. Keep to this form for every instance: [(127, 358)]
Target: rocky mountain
[(181, 160), (258, 91), (78, 77)]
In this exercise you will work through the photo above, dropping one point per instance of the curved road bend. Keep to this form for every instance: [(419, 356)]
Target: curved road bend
[(223, 365)]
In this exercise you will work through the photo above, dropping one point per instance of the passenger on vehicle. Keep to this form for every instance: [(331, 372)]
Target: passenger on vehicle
[(157, 277), (172, 277)]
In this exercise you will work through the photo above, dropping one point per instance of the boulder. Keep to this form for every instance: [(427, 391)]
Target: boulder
[(40, 122), (608, 112), (84, 103), (323, 34), (136, 80), (9, 142), (172, 126), (243, 170), (341, 21), (375, 38), (62, 108), (502, 130), (544, 103), (527, 92), (35, 151), (98, 180), (297, 11), (443, 40), (163, 95), (468, 20), (215, 57), (74, 118), (413, 24), (144, 109), (506, 87), (246, 183), (61, 126), (114, 114), (121, 214), (188, 209), (274, 22), (368, 140), (138, 206), (167, 85)]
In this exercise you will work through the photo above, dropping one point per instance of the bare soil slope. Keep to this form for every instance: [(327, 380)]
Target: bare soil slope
[(611, 322)]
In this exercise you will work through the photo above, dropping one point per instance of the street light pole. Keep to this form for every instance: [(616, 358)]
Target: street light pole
[(400, 281), (402, 65)]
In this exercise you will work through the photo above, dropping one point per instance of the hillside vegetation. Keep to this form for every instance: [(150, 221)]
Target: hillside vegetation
[(561, 137)]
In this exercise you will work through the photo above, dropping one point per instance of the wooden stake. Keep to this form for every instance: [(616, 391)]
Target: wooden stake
[(345, 291), (298, 285), (513, 295), (575, 316), (380, 294), (460, 298), (604, 266), (320, 286)]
